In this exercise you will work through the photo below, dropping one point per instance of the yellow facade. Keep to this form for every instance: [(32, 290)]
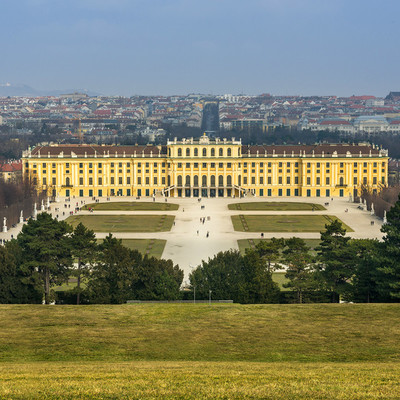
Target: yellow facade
[(206, 168)]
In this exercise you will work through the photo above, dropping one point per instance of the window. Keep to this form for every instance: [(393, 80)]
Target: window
[(355, 180), (179, 165), (318, 165), (155, 180), (220, 165), (355, 165), (327, 180), (288, 192), (253, 180), (196, 152), (212, 152), (280, 165), (100, 181), (128, 180), (100, 165), (308, 181), (318, 180), (308, 165), (139, 180), (245, 180), (288, 164), (179, 152), (383, 180), (204, 152), (187, 165), (269, 181), (328, 165), (374, 180), (163, 180), (296, 180), (280, 180), (288, 180), (147, 180), (365, 180), (253, 165), (261, 180), (188, 152), (220, 152), (120, 180), (204, 165), (44, 181), (112, 180), (90, 181), (54, 181), (229, 152), (44, 165), (196, 165), (212, 165), (112, 165), (229, 165)]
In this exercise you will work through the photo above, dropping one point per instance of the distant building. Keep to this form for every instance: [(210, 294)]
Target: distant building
[(371, 124), (394, 96), (11, 172), (210, 119)]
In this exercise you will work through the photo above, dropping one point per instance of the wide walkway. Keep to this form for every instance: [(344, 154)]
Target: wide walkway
[(188, 243)]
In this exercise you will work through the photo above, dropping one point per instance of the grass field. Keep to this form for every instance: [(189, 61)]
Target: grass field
[(124, 223), (199, 380), (187, 332), (131, 206), (249, 243), (282, 223), (275, 206), (151, 247), (186, 351)]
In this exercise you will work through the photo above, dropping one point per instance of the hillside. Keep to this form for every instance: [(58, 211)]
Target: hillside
[(312, 333)]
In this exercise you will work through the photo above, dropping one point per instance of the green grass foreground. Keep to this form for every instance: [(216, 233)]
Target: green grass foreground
[(199, 380), (131, 206), (187, 351), (283, 223), (275, 206), (188, 332), (151, 247), (124, 223)]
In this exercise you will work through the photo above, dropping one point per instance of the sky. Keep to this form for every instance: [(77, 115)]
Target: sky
[(165, 47)]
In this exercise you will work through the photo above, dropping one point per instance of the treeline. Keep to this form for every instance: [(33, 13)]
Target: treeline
[(48, 252), (16, 197)]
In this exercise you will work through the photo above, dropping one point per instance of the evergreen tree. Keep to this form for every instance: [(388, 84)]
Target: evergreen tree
[(300, 267), (15, 286), (46, 251), (112, 275), (84, 250), (337, 259), (391, 256)]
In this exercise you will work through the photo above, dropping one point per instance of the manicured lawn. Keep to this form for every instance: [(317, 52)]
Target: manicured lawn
[(170, 380), (275, 206), (151, 247), (188, 332), (132, 206), (248, 243), (282, 223), (124, 223)]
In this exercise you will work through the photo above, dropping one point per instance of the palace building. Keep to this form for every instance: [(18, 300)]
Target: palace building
[(206, 167)]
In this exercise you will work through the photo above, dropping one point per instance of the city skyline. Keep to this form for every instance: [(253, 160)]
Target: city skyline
[(305, 47)]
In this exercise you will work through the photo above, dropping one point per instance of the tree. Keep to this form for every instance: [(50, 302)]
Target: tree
[(391, 259), (367, 276), (231, 276), (46, 251), (337, 259), (15, 286), (112, 275), (270, 250), (156, 280), (300, 267), (84, 249)]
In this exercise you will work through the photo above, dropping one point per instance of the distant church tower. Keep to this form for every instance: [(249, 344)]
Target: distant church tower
[(210, 120)]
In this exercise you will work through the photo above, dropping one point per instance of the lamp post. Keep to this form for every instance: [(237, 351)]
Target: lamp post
[(194, 294), (209, 297)]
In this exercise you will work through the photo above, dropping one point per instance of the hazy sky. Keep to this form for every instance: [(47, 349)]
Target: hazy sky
[(127, 47)]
